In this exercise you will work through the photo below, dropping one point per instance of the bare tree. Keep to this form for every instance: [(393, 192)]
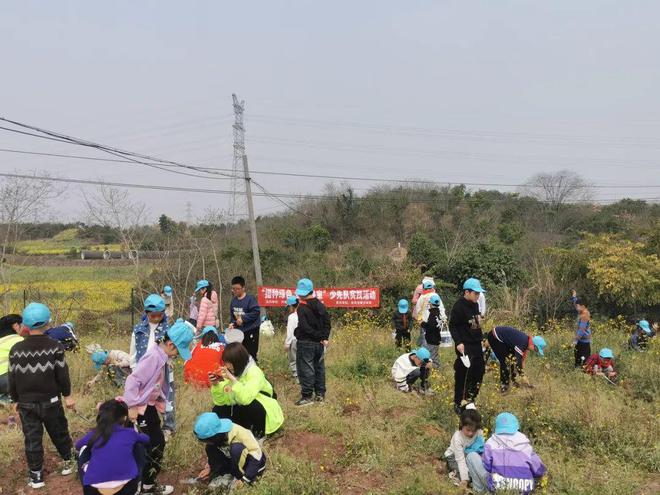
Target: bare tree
[(558, 188), (112, 207), (22, 199)]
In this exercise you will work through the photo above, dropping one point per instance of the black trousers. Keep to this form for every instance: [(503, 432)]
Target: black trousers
[(421, 373), (4, 384), (310, 364), (222, 464), (402, 338), (35, 416), (467, 381), (252, 416), (251, 342), (149, 424), (582, 350), (511, 363)]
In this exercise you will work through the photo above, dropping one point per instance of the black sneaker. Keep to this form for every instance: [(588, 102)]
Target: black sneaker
[(305, 401), (36, 480), (458, 409), (157, 489)]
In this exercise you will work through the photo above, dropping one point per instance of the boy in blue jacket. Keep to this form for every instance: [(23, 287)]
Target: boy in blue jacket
[(244, 314), (511, 346)]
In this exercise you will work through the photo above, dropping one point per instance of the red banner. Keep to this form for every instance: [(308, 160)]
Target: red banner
[(332, 298)]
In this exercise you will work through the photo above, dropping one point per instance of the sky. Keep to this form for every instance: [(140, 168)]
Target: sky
[(447, 91)]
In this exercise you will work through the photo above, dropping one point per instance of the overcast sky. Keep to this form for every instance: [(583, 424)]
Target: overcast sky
[(451, 91)]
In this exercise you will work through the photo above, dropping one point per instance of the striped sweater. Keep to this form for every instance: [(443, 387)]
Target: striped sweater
[(37, 370)]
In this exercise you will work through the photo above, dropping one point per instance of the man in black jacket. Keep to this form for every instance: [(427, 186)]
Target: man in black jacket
[(465, 329), (312, 336)]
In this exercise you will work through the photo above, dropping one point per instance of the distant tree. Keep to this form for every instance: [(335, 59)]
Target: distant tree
[(166, 224), (557, 189)]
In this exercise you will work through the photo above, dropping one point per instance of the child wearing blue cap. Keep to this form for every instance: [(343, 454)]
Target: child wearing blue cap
[(168, 297), (38, 381), (114, 364), (511, 347), (312, 334), (640, 336), (434, 322), (234, 455), (402, 321), (146, 395), (410, 367), (290, 343), (601, 364), (509, 458)]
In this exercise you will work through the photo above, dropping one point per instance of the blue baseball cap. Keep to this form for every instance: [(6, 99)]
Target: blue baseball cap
[(154, 303), (428, 284), (539, 344), (99, 358), (202, 284), (403, 306), (208, 425), (36, 315), (644, 325), (291, 301), (422, 353), (473, 284), (506, 424), (167, 290), (208, 329), (304, 287), (434, 300), (606, 353), (181, 334)]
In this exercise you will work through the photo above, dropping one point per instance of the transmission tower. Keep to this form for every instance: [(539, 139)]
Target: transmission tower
[(239, 153), (189, 215)]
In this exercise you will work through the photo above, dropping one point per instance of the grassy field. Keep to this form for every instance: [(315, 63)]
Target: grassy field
[(71, 290), (368, 438), (66, 242)]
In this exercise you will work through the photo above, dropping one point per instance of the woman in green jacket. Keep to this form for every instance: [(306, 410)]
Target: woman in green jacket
[(241, 393)]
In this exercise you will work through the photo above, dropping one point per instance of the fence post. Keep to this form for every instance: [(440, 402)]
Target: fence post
[(24, 297), (132, 307)]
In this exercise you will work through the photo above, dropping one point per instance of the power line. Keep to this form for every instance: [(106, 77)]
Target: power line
[(276, 195), (322, 176)]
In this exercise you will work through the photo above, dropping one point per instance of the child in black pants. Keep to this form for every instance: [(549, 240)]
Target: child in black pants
[(234, 455), (402, 320), (38, 380), (146, 394)]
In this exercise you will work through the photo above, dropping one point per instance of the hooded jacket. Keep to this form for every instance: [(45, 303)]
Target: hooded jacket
[(250, 386), (313, 321), (208, 311), (511, 463), (397, 321)]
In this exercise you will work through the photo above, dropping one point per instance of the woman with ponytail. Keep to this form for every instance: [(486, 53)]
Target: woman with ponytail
[(111, 455)]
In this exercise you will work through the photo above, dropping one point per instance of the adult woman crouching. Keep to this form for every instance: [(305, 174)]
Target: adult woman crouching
[(240, 392)]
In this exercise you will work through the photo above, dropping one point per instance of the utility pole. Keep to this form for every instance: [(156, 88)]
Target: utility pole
[(253, 223), (239, 153)]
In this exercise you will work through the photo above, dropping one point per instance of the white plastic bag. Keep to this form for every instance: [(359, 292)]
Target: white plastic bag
[(266, 328)]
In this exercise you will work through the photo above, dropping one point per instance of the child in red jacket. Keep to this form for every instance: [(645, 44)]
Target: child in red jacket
[(601, 364), (206, 358)]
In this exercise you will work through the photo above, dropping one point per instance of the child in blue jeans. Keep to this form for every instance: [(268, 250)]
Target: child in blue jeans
[(464, 452)]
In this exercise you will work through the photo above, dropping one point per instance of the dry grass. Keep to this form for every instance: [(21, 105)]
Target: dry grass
[(369, 438)]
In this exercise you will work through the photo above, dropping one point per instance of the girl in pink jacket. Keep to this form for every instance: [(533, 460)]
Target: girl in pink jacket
[(208, 305)]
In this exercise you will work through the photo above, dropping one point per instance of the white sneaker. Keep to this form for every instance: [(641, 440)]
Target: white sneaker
[(157, 489), (36, 480), (67, 468)]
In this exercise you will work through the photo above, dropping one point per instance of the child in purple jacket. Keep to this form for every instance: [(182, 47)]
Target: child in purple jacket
[(111, 455), (509, 458), (145, 394)]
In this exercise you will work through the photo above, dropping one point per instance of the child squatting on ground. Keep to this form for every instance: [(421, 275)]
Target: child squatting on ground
[(410, 367), (234, 455), (111, 456), (509, 458), (114, 364), (38, 380), (146, 395), (464, 453), (290, 344), (601, 364)]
